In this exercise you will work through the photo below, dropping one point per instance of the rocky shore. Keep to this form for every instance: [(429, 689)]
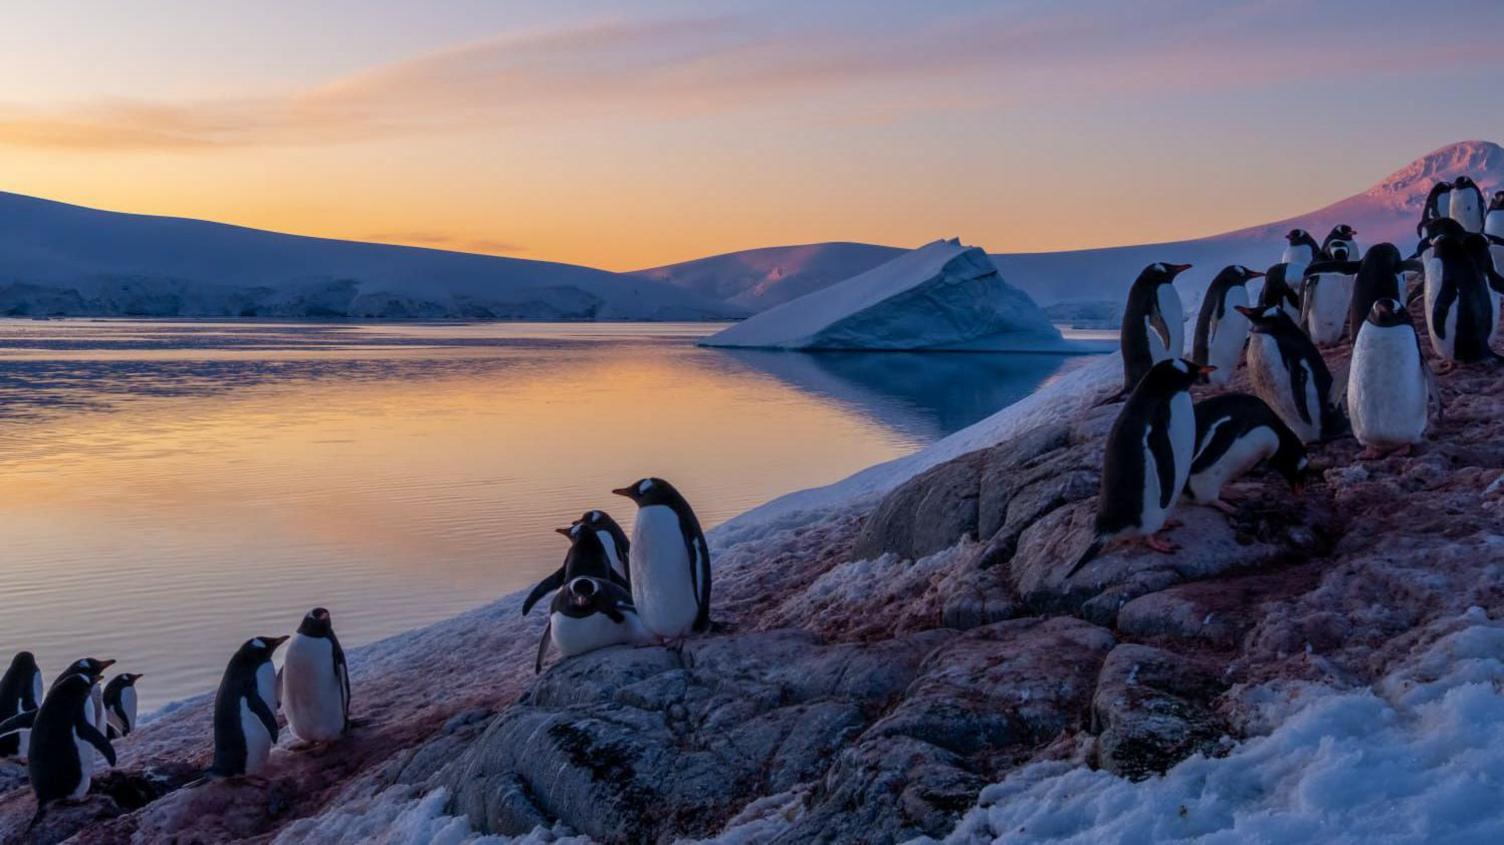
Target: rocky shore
[(886, 659)]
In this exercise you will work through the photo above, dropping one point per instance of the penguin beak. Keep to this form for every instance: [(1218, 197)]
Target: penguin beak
[(1177, 269), (1255, 274), (273, 642), (105, 664), (623, 491), (564, 531)]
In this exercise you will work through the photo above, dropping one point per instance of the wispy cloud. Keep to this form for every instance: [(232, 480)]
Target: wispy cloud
[(656, 70)]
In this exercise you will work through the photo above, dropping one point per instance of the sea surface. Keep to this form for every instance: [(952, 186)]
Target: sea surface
[(170, 489)]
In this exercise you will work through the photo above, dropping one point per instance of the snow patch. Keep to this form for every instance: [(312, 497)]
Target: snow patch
[(398, 817)]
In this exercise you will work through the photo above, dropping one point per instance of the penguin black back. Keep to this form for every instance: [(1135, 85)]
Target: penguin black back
[(119, 702), (1147, 409), (56, 768), (1465, 296), (1378, 278), (1143, 315), (242, 683), (18, 694), (1301, 361), (1222, 419), (1277, 292)]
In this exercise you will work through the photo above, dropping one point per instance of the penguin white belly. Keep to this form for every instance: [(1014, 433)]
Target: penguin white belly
[(1182, 438), (1386, 390), (86, 754), (1152, 516), (1445, 347), (313, 695), (1494, 225), (574, 636), (1271, 382), (662, 583), (1466, 211), (1330, 299), (609, 544), (258, 741), (1225, 347), (1174, 317), (1241, 456)]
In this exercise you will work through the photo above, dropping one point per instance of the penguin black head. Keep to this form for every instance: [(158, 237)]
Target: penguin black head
[(1172, 376), (1388, 312), (1463, 183), (1497, 202), (1236, 274), (1160, 273), (572, 531), (258, 649), (125, 679), (316, 623), (89, 666), (1342, 231), (582, 591), (23, 661), (1298, 237), (1292, 463), (595, 519), (650, 491), (1271, 320)]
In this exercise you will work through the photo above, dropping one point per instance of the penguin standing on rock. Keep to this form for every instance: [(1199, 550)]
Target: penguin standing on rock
[(1277, 291), (670, 561), (1147, 460), (1153, 322), (593, 553), (92, 667), (1288, 372), (315, 682), (1221, 331), (20, 692), (245, 717), (1461, 294), (60, 755), (120, 705), (588, 614), (1390, 386), (1380, 276), (1234, 432), (1325, 297), (1466, 205)]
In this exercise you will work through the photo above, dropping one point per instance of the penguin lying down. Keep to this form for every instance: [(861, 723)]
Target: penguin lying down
[(589, 614)]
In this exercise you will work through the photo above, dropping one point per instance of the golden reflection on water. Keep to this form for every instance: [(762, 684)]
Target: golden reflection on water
[(395, 483)]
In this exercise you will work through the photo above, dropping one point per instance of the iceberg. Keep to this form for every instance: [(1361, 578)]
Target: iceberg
[(942, 296)]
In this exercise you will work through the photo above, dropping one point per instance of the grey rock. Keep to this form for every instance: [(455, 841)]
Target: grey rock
[(928, 513), (1151, 710)]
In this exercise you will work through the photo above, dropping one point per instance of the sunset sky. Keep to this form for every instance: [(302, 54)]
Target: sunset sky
[(629, 135)]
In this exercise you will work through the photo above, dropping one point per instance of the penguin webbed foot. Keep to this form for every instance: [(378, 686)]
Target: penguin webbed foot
[(1160, 544), (1172, 523)]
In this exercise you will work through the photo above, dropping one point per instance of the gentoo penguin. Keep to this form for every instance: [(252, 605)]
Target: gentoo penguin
[(120, 704), (593, 553), (60, 754), (20, 692), (1220, 330), (1147, 459), (614, 539), (1341, 244), (1381, 275), (1493, 229), (590, 613), (245, 719), (1300, 248), (670, 561), (314, 681), (1466, 205), (1234, 432), (1325, 296), (1277, 292), (1153, 321), (1437, 206), (1288, 373), (1389, 386), (1461, 294), (92, 667)]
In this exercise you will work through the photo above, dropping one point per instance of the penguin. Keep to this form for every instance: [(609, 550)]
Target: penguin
[(670, 561), (1466, 204), (1325, 296), (1389, 386), (1276, 291), (1147, 460), (315, 682), (594, 551), (20, 692), (1437, 205), (1153, 321), (60, 753), (245, 720), (1300, 248), (1461, 294), (1493, 223), (120, 705), (1234, 432), (1288, 373), (588, 614), (1381, 275), (1341, 244), (90, 666), (1221, 331)]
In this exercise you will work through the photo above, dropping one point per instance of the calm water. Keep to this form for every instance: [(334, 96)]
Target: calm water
[(172, 488)]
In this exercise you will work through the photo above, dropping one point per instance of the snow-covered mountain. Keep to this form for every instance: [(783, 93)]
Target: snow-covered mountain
[(761, 278), (944, 295), (758, 279), (57, 258)]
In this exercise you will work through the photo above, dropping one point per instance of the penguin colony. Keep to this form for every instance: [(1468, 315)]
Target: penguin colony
[(1163, 446), (653, 588)]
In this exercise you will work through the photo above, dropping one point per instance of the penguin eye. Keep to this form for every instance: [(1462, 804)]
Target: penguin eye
[(257, 643)]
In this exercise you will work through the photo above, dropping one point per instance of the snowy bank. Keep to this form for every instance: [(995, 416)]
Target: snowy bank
[(942, 296)]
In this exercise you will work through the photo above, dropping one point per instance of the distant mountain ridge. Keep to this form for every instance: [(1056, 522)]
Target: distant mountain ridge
[(63, 259), (1385, 212)]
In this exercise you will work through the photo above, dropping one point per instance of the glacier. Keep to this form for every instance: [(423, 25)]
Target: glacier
[(941, 296)]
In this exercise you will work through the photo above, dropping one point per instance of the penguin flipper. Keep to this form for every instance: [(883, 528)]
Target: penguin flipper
[(699, 561), (18, 722), (268, 719), (546, 586), (111, 733), (1157, 322), (543, 646), (86, 731)]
